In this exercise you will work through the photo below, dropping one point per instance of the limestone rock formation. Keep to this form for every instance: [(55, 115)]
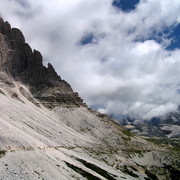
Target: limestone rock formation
[(64, 142), (18, 59)]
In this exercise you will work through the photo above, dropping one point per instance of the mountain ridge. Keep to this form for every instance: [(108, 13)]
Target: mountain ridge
[(167, 126), (27, 66)]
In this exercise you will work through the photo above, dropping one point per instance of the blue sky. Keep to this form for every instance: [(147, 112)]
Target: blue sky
[(172, 32), (122, 56), (125, 5)]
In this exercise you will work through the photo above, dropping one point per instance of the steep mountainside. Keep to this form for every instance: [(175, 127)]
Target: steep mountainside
[(26, 65), (47, 132)]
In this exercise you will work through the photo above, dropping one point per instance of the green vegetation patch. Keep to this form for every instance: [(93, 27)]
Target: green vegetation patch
[(128, 134), (171, 144), (165, 141), (138, 152)]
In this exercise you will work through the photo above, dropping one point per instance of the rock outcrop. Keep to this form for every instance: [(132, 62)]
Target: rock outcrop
[(24, 64)]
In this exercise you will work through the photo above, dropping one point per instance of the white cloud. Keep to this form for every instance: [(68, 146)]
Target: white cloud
[(118, 73), (147, 47)]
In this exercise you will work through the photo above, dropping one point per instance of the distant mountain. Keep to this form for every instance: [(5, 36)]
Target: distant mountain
[(167, 126), (47, 132)]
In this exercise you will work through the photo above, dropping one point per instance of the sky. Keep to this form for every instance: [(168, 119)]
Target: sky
[(122, 56)]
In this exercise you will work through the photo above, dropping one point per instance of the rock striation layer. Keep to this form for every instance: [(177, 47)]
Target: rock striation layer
[(24, 64)]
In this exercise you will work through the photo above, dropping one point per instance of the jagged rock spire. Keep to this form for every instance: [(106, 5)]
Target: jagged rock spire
[(27, 66)]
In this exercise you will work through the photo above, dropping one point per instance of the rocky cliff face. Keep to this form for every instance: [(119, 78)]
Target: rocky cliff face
[(18, 60)]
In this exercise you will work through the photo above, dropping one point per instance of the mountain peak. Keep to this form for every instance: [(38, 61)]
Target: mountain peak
[(18, 60)]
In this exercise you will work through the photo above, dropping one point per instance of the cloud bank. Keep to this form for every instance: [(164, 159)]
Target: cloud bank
[(111, 57)]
